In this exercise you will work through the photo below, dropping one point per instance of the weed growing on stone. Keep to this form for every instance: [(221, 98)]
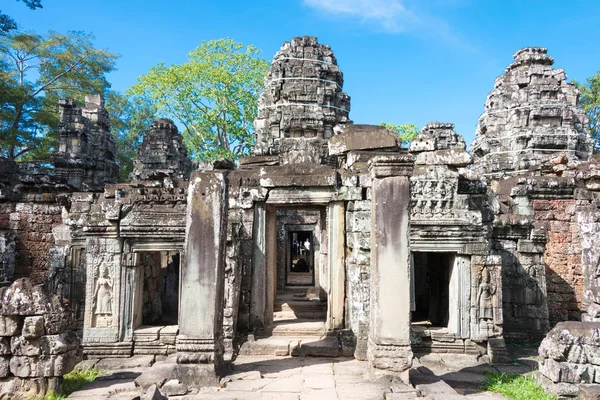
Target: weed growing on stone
[(72, 382), (514, 386)]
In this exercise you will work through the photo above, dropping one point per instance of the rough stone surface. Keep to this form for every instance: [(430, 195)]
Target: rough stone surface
[(32, 360), (532, 111), (302, 103), (161, 154)]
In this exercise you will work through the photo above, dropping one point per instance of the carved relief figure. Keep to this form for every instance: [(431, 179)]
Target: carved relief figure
[(103, 294), (485, 297)]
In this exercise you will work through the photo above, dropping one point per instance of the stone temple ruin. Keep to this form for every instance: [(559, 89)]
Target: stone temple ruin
[(330, 239)]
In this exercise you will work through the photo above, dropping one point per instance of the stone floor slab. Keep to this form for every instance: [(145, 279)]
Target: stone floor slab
[(111, 364)]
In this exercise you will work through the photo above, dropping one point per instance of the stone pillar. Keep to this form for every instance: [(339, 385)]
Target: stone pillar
[(389, 336), (336, 227), (200, 339), (259, 268)]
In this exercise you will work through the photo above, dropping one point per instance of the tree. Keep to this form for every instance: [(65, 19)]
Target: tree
[(406, 132), (590, 102), (130, 117), (213, 95), (35, 71), (8, 24)]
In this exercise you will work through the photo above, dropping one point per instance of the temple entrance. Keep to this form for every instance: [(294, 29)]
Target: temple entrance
[(432, 272), (300, 303), (157, 305), (160, 303)]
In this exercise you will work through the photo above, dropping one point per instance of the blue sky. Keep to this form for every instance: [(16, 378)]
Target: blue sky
[(404, 61)]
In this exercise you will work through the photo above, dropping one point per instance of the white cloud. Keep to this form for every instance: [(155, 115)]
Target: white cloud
[(391, 15), (394, 16)]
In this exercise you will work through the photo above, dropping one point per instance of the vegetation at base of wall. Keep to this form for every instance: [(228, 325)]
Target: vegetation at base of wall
[(515, 386), (72, 382)]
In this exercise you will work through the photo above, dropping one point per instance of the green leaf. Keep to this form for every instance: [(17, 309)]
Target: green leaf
[(213, 95)]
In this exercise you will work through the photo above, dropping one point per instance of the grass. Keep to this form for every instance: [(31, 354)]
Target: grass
[(72, 382), (514, 386)]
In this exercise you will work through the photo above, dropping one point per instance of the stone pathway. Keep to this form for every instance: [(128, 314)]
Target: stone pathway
[(443, 377)]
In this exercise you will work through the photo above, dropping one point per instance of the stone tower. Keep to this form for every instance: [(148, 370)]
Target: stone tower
[(161, 154), (531, 113), (302, 103), (86, 156)]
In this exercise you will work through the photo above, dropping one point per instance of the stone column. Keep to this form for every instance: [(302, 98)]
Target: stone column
[(259, 268), (336, 227), (389, 336), (200, 339)]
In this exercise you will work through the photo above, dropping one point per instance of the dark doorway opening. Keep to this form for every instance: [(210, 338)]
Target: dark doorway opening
[(300, 269), (161, 288), (432, 273)]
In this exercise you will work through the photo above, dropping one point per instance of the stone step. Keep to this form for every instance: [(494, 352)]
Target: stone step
[(292, 346), (296, 328), (301, 314)]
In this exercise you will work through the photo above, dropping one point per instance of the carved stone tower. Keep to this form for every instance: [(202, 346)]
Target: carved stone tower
[(86, 157), (302, 103), (531, 112), (161, 154)]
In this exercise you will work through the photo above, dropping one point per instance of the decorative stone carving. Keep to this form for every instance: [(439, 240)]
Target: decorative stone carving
[(86, 156), (531, 112), (302, 103), (103, 295), (161, 154)]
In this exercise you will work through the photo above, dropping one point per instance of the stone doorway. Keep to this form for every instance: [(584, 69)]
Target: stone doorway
[(432, 273), (300, 265), (157, 306), (160, 293)]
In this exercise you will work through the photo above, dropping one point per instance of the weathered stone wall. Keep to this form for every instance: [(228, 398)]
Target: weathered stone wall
[(31, 223), (37, 345), (562, 258)]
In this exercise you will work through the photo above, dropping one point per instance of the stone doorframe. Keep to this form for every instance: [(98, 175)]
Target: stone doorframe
[(460, 284), (264, 259), (133, 280)]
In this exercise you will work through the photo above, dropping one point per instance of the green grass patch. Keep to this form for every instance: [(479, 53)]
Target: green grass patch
[(514, 386), (72, 382)]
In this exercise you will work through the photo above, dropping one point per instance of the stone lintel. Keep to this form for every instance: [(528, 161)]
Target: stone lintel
[(301, 196), (362, 137), (304, 175), (392, 165), (254, 161)]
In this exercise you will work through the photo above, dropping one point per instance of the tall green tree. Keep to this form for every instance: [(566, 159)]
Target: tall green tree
[(406, 132), (8, 24), (213, 95), (35, 71), (590, 102), (130, 117)]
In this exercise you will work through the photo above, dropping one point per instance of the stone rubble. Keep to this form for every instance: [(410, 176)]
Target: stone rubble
[(37, 343)]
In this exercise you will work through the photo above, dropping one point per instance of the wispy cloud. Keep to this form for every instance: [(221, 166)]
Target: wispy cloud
[(393, 16)]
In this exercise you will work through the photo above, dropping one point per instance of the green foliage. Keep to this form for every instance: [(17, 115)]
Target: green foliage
[(72, 382), (213, 95), (35, 72), (130, 117), (8, 24), (590, 102), (407, 132), (514, 386)]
